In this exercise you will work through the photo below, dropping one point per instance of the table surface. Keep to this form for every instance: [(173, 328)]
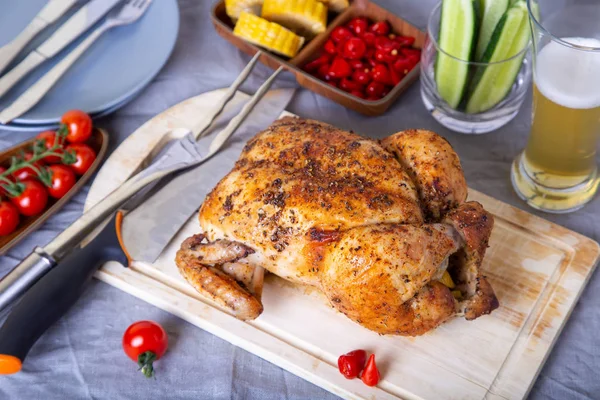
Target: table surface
[(80, 357)]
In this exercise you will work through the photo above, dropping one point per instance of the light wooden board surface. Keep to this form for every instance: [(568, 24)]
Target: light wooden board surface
[(538, 270)]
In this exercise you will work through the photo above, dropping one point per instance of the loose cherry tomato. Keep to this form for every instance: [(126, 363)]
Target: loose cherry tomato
[(370, 375), (348, 85), (354, 48), (340, 68), (350, 364), (330, 47), (316, 63), (50, 138), (27, 172), (341, 34), (145, 342), (363, 77), (369, 38), (405, 41), (358, 25), (356, 64), (9, 218), (79, 125), (381, 28), (85, 156), (32, 200), (381, 74), (375, 89), (63, 179)]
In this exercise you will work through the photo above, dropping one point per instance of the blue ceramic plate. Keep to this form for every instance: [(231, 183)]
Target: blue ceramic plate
[(117, 67)]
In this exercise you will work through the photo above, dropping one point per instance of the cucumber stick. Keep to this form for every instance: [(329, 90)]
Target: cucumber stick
[(492, 83), (457, 37), (492, 11)]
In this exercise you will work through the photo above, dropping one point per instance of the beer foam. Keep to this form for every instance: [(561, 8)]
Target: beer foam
[(570, 77)]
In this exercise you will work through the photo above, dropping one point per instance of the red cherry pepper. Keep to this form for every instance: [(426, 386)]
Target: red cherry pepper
[(356, 64), (369, 38), (381, 74), (375, 89), (316, 63), (361, 76), (380, 28), (350, 364), (341, 34), (330, 47), (358, 94), (370, 375), (358, 25), (402, 65), (340, 68), (348, 85), (405, 41), (354, 48)]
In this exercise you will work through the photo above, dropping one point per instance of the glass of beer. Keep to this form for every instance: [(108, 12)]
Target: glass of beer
[(557, 172)]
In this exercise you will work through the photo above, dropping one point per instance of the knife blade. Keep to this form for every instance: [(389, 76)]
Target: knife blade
[(52, 11), (147, 229), (79, 22)]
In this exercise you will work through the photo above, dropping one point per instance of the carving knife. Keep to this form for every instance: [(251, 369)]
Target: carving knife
[(72, 266), (79, 22), (51, 12)]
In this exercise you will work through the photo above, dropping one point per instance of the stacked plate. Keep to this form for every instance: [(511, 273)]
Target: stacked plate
[(109, 75)]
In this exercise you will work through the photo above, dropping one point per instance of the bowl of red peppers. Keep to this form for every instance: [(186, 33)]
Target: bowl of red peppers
[(365, 58)]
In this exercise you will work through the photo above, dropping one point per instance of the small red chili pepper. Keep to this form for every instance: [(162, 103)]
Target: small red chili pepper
[(348, 85), (358, 25), (370, 375), (316, 63), (409, 51), (369, 38), (350, 364), (340, 68), (341, 34), (405, 41), (381, 74), (395, 75), (358, 93), (330, 47), (354, 48), (356, 64), (363, 77), (380, 28)]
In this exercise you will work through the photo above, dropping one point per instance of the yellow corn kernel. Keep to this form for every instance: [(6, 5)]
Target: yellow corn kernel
[(305, 17), (267, 34), (235, 7), (457, 294), (336, 5), (447, 280)]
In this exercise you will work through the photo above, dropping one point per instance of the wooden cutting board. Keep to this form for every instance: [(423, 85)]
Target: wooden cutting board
[(538, 270)]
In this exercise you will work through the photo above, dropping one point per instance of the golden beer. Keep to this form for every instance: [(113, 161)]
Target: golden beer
[(558, 171)]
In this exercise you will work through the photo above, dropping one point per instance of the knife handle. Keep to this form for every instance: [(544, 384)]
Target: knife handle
[(9, 51), (12, 77), (50, 298)]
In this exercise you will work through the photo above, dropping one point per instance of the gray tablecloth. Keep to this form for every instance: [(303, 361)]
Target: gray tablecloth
[(81, 357)]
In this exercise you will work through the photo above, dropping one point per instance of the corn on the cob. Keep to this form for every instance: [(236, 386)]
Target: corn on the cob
[(267, 34), (235, 7), (305, 17), (336, 5), (447, 280)]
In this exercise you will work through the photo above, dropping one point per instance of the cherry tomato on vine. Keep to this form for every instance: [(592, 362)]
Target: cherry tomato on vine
[(145, 342), (49, 137), (27, 172), (79, 125), (85, 156), (63, 179), (9, 218), (350, 364), (32, 200)]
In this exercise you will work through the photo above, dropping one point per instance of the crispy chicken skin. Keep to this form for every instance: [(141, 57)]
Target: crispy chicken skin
[(372, 225)]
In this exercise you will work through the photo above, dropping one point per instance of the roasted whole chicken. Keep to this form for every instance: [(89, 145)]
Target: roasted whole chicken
[(381, 228)]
